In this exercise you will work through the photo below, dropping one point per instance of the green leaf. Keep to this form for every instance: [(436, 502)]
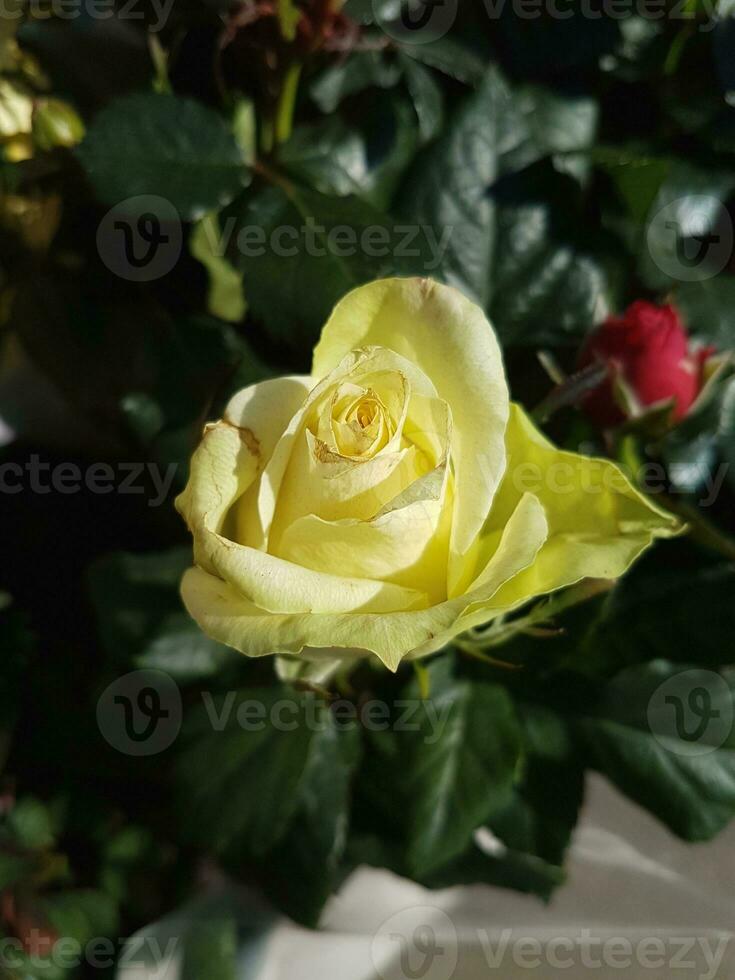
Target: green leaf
[(301, 872), (361, 70), (140, 619), (503, 869), (726, 431), (179, 648), (71, 59), (133, 595), (708, 307), (462, 58), (196, 357), (689, 207), (510, 246), (164, 145), (659, 612), (548, 795), (528, 837), (368, 160), (31, 824), (216, 937), (213, 953), (636, 739), (641, 50), (548, 45), (458, 776), (637, 177), (427, 97), (563, 125), (723, 38), (288, 19), (245, 129), (143, 415), (449, 186), (26, 967), (366, 11), (435, 773), (330, 156), (242, 772), (548, 287), (155, 367), (226, 298), (298, 262), (128, 858), (13, 869), (690, 462), (82, 914)]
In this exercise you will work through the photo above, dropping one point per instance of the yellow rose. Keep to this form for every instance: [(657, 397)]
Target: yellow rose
[(396, 497)]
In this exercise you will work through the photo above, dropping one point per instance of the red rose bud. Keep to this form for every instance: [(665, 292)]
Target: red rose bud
[(647, 352)]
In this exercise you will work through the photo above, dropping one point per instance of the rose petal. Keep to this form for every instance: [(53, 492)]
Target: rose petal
[(406, 544), (598, 522), (225, 615), (450, 339)]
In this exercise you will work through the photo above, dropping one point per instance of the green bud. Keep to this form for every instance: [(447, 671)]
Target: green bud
[(55, 123)]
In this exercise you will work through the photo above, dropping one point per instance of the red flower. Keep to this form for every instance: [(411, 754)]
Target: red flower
[(648, 350)]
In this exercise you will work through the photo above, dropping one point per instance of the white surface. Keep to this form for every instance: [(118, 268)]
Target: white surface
[(662, 909), (639, 904)]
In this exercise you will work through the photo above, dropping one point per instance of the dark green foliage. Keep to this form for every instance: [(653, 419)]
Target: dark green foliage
[(553, 170)]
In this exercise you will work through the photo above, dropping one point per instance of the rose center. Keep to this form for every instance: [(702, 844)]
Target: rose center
[(361, 423), (366, 412)]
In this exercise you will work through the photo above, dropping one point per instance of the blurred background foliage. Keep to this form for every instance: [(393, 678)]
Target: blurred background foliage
[(548, 146)]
